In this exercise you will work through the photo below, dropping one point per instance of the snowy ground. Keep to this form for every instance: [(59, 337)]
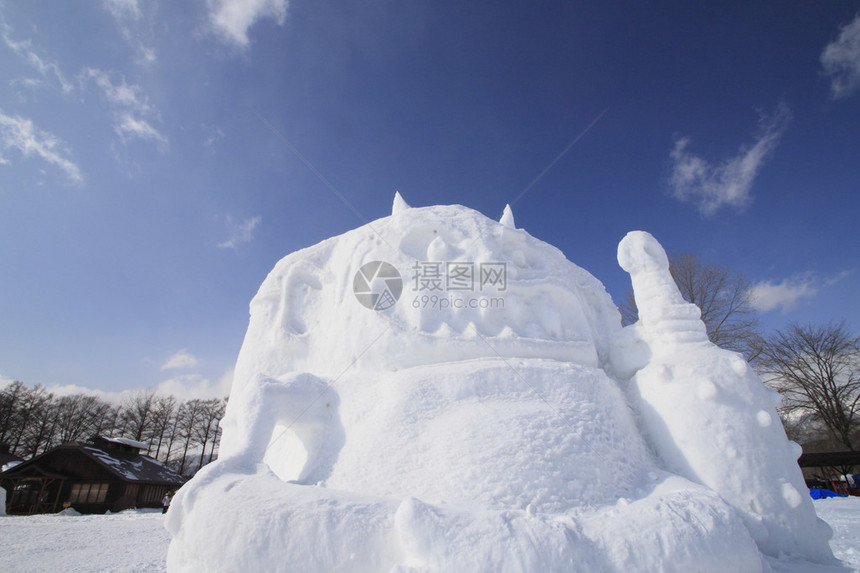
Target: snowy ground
[(843, 515), (133, 541), (137, 541)]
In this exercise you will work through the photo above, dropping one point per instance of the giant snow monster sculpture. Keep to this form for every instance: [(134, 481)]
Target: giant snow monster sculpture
[(438, 391)]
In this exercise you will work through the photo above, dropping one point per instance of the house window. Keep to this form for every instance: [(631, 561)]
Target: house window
[(25, 493), (88, 493), (154, 493), (131, 490)]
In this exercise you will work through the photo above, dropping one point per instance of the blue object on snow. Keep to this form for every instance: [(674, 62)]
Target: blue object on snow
[(817, 493)]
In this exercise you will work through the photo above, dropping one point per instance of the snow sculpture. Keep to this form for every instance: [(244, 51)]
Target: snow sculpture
[(700, 404), (399, 204), (486, 425), (508, 218)]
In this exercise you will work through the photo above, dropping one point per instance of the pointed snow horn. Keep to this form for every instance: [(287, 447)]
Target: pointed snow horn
[(508, 218), (399, 204)]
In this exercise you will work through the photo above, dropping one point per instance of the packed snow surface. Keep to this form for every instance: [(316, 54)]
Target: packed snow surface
[(135, 541), (392, 412)]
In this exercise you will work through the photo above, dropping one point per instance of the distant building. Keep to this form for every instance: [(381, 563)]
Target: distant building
[(830, 470), (109, 474)]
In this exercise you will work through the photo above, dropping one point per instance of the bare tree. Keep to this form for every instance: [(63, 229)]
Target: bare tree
[(207, 428), (190, 414), (723, 296), (40, 431), (137, 414), (173, 436), (79, 416), (163, 416), (817, 369), (105, 419), (11, 398), (32, 403)]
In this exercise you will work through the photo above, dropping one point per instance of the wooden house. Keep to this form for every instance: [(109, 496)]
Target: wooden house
[(108, 474), (825, 470)]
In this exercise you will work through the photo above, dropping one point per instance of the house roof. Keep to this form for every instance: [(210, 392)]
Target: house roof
[(820, 459), (132, 468), (6, 458), (127, 442), (139, 468)]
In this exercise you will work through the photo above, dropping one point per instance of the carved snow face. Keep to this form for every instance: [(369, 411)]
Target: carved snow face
[(471, 287), (315, 332)]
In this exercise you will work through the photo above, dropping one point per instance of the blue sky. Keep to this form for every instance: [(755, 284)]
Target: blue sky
[(149, 178)]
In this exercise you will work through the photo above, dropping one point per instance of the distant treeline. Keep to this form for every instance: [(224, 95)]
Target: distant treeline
[(183, 435)]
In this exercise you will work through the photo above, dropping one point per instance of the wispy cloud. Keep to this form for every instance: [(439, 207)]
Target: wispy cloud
[(130, 127), (120, 94), (182, 360), (213, 136), (123, 8), (131, 108), (231, 19), (128, 17), (786, 294), (19, 134), (841, 60), (25, 50), (240, 233), (711, 186), (833, 280)]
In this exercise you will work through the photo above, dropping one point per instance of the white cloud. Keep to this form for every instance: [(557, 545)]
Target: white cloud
[(231, 19), (24, 49), (240, 233), (121, 94), (128, 127), (841, 60), (712, 186), (69, 389), (184, 387), (214, 135), (833, 280), (195, 386), (123, 9), (787, 294), (180, 361), (20, 134), (132, 110), (130, 19), (30, 83), (115, 398)]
